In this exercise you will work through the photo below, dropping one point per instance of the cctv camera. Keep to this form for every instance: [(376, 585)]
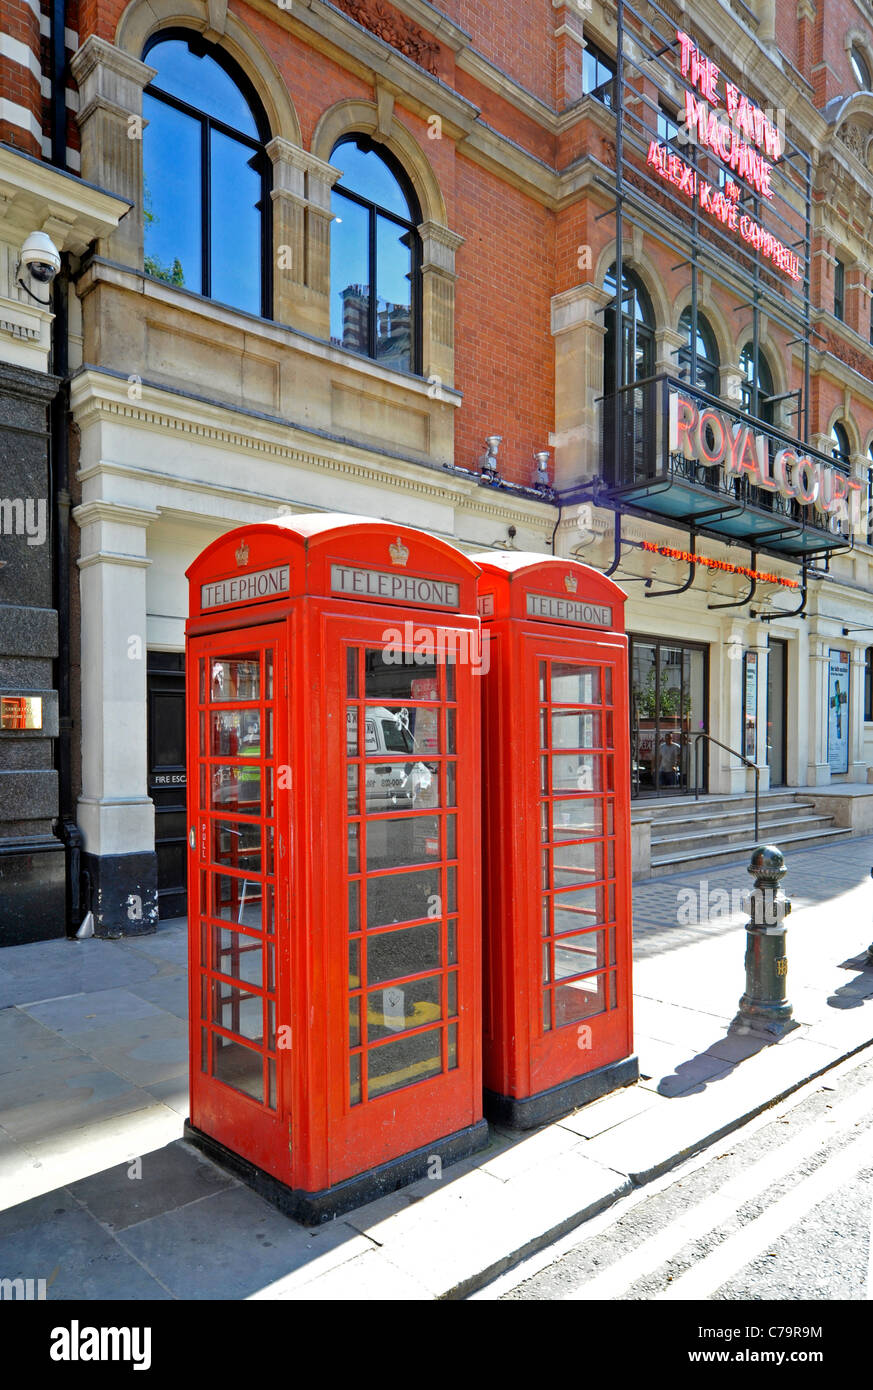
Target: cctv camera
[(41, 256)]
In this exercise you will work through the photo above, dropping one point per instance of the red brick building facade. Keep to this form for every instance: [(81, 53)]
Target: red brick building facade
[(193, 412)]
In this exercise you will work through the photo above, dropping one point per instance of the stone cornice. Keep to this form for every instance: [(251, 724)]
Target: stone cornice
[(33, 192), (112, 557), (331, 31), (512, 163), (98, 52), (443, 235), (328, 29), (281, 151), (97, 395), (472, 61), (113, 512), (435, 22), (824, 362)]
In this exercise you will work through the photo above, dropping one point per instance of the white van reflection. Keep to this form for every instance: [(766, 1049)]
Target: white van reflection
[(392, 785), (239, 787)]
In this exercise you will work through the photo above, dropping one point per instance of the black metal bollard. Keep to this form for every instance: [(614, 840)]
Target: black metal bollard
[(870, 947), (764, 1008)]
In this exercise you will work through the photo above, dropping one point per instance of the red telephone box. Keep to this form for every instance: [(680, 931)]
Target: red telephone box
[(557, 886), (334, 832)]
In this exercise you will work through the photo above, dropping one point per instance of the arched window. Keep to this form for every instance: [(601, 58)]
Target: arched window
[(375, 256), (598, 74), (707, 353), (206, 195), (765, 385), (840, 447), (860, 67), (638, 330)]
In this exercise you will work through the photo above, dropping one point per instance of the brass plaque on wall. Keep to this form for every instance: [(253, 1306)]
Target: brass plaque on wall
[(20, 712)]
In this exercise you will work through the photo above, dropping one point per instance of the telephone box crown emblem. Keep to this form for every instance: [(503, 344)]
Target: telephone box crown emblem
[(399, 552), (571, 583), (242, 553)]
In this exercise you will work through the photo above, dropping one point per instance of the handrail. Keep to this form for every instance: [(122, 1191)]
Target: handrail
[(701, 733)]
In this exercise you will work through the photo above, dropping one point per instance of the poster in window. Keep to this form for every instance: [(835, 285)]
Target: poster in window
[(750, 705), (838, 710)]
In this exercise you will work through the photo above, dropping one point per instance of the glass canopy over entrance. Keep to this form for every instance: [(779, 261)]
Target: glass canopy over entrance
[(674, 452)]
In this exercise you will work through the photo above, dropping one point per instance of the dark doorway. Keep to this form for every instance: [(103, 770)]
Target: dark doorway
[(777, 710), (167, 779), (668, 704)]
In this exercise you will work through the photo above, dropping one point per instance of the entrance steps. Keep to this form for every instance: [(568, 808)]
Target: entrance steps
[(687, 835)]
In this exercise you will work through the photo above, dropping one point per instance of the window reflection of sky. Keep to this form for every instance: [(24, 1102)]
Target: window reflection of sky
[(236, 225), (354, 301), (173, 181), (171, 166), (366, 173), (201, 82)]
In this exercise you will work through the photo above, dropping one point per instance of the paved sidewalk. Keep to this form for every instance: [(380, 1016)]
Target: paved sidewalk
[(99, 1195)]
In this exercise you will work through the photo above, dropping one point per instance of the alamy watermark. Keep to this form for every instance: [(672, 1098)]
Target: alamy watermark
[(24, 516), (413, 645), (696, 906), (23, 1290)]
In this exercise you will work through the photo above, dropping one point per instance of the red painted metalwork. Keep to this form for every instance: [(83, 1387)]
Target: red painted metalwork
[(557, 885), (334, 854)]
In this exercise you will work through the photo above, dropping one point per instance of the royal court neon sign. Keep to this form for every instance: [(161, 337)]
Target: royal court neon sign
[(715, 440)]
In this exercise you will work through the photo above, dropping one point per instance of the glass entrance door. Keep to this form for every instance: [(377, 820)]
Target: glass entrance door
[(668, 704), (237, 839)]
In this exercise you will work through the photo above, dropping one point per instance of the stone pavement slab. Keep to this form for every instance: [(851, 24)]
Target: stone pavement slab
[(93, 1076), (610, 1111), (366, 1279), (471, 1230), (150, 1186), (167, 990), (229, 1244), (55, 1240), (88, 1013)]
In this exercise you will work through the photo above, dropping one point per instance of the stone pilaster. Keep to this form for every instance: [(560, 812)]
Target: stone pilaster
[(726, 773), (859, 463), (857, 760), (569, 45), (115, 812), (578, 329), (731, 380), (667, 346), (301, 237), (438, 248), (111, 85), (818, 771)]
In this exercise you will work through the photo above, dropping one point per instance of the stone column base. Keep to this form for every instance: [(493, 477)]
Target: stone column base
[(123, 893)]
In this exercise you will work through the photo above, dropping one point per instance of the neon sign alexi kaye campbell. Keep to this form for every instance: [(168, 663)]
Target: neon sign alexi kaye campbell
[(745, 141), (713, 439)]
